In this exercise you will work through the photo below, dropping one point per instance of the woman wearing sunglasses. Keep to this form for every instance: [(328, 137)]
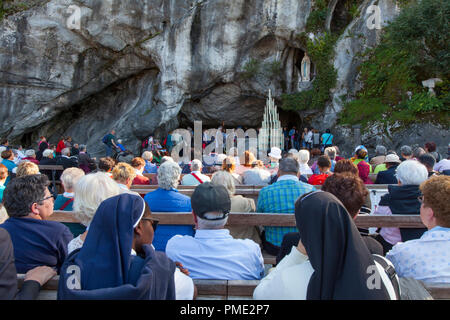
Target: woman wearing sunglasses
[(117, 260)]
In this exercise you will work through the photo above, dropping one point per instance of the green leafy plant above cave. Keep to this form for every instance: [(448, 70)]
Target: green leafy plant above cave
[(254, 67), (251, 69), (414, 47), (317, 17), (320, 50), (8, 7), (274, 68)]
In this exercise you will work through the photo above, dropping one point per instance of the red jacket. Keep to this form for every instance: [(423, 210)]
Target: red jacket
[(31, 160), (318, 179), (141, 180), (60, 146)]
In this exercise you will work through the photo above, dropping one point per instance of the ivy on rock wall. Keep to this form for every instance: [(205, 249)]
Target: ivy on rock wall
[(8, 7), (414, 47), (320, 51)]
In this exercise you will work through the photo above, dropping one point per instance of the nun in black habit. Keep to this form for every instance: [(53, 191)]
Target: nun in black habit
[(341, 261), (117, 260), (331, 261)]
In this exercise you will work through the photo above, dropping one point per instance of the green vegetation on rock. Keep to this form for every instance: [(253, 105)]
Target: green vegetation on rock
[(251, 69), (320, 51), (8, 7), (317, 17), (414, 47)]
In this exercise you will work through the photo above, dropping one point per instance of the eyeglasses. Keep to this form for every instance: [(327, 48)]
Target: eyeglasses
[(154, 222), (52, 196), (420, 198)]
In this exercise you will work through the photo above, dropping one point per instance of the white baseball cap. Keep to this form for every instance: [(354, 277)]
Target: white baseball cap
[(392, 158)]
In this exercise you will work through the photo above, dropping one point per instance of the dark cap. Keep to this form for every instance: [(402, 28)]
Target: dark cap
[(208, 197)]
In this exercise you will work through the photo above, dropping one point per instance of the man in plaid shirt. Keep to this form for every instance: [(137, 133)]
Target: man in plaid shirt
[(280, 197)]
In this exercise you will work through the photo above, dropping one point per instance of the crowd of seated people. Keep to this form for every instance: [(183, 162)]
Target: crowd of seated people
[(117, 228)]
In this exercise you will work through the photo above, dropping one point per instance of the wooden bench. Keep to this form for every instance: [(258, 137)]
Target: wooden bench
[(267, 219), (54, 169), (252, 192), (245, 191), (225, 289), (372, 176), (153, 176)]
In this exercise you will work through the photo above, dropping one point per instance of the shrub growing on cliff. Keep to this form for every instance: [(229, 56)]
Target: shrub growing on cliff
[(251, 69), (320, 50), (317, 17), (413, 48)]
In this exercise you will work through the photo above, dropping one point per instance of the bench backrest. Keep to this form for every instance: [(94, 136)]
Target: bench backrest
[(372, 176), (51, 167), (246, 191), (267, 219)]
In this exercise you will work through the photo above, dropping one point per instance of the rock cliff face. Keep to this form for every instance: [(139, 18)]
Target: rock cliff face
[(145, 66)]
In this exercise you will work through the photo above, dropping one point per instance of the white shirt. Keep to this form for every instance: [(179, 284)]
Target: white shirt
[(214, 254), (68, 194), (184, 286), (288, 177), (305, 169), (308, 136), (189, 180), (288, 280), (124, 189), (256, 177), (442, 165)]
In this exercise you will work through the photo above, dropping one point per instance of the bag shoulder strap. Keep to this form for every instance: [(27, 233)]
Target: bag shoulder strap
[(390, 272), (195, 176), (66, 204)]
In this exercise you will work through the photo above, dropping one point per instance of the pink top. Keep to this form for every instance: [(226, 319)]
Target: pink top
[(391, 235), (241, 169)]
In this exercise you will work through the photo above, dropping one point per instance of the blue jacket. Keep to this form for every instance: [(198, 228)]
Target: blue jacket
[(150, 167), (9, 164), (387, 176), (162, 200)]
